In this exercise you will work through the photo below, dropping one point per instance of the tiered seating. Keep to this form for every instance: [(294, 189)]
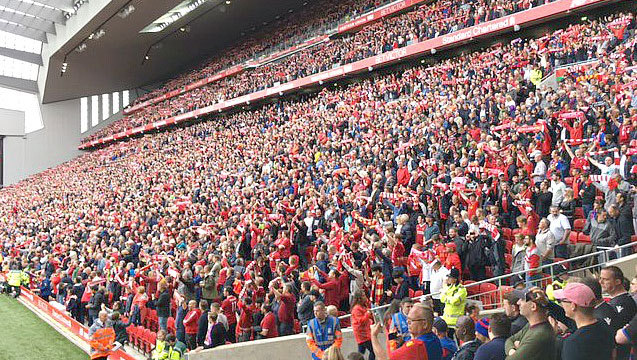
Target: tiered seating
[(422, 23), (190, 195)]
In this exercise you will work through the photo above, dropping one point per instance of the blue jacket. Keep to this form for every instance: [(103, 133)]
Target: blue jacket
[(449, 348), (400, 324), (324, 336), (434, 347), (493, 350)]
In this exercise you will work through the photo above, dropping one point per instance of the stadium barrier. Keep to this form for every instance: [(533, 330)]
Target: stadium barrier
[(491, 298), (508, 23), (65, 321)]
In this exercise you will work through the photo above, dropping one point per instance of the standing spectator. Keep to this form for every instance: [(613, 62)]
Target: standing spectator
[(182, 310), (362, 319), (216, 334), (438, 278), (561, 229), (268, 324), (586, 194), (466, 335), (454, 296), (191, 323), (542, 199), (209, 285), (545, 242), (399, 325), (119, 326), (139, 304), (558, 188), (593, 339), (162, 305), (323, 332), (611, 279), (286, 309), (202, 324), (449, 347), (531, 261), (94, 305), (245, 323), (602, 233), (305, 307), (476, 258), (230, 307), (512, 311), (499, 331), (536, 341)]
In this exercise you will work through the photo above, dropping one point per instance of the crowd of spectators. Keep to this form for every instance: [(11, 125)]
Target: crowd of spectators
[(289, 29), (392, 185), (422, 23)]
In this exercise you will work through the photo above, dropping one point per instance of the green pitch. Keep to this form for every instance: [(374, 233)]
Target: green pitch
[(24, 336)]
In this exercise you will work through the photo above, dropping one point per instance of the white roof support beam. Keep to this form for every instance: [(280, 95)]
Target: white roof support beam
[(23, 31), (28, 21), (35, 9), (66, 5), (21, 55)]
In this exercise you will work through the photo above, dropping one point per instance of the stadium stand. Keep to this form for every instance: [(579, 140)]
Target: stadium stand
[(361, 187)]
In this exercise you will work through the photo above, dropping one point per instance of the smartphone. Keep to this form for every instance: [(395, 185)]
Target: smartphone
[(392, 336)]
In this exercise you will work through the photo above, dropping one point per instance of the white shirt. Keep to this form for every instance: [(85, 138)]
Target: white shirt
[(539, 172), (438, 278), (558, 189), (559, 225)]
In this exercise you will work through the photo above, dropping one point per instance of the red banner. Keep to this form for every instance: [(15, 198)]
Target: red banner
[(378, 14), (461, 37), (66, 321), (197, 84)]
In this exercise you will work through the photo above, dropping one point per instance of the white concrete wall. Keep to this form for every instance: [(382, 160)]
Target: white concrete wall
[(284, 348)]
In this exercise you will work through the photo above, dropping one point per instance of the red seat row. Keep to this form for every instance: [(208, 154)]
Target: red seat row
[(141, 338)]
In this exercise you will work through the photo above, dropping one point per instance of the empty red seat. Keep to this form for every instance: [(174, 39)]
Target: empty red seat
[(488, 295), (573, 237), (578, 224), (506, 233), (508, 259), (170, 325), (509, 246), (579, 213), (584, 239)]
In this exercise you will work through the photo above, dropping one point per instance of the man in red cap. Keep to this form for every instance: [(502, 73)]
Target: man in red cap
[(593, 338)]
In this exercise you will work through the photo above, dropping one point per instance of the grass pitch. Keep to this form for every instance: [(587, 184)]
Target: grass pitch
[(24, 336)]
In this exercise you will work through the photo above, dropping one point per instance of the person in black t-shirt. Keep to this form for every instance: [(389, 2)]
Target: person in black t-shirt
[(612, 281), (593, 339), (628, 335)]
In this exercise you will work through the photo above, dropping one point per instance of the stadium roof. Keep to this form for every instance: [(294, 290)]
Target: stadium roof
[(115, 60)]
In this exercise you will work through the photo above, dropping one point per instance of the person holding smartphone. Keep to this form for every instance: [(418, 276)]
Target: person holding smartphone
[(424, 344)]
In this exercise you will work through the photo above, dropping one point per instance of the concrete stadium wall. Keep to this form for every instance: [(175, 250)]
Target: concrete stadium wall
[(289, 347), (52, 145)]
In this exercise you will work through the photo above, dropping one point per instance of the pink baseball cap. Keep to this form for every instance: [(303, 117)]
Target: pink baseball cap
[(577, 293)]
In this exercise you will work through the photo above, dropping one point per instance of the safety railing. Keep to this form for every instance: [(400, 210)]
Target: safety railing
[(601, 256)]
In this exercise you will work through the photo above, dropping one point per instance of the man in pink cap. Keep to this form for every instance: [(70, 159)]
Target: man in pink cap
[(593, 339)]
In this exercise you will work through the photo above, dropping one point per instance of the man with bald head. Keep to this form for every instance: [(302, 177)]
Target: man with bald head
[(424, 344)]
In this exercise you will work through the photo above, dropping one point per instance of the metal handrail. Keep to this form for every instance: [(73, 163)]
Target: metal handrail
[(603, 253)]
